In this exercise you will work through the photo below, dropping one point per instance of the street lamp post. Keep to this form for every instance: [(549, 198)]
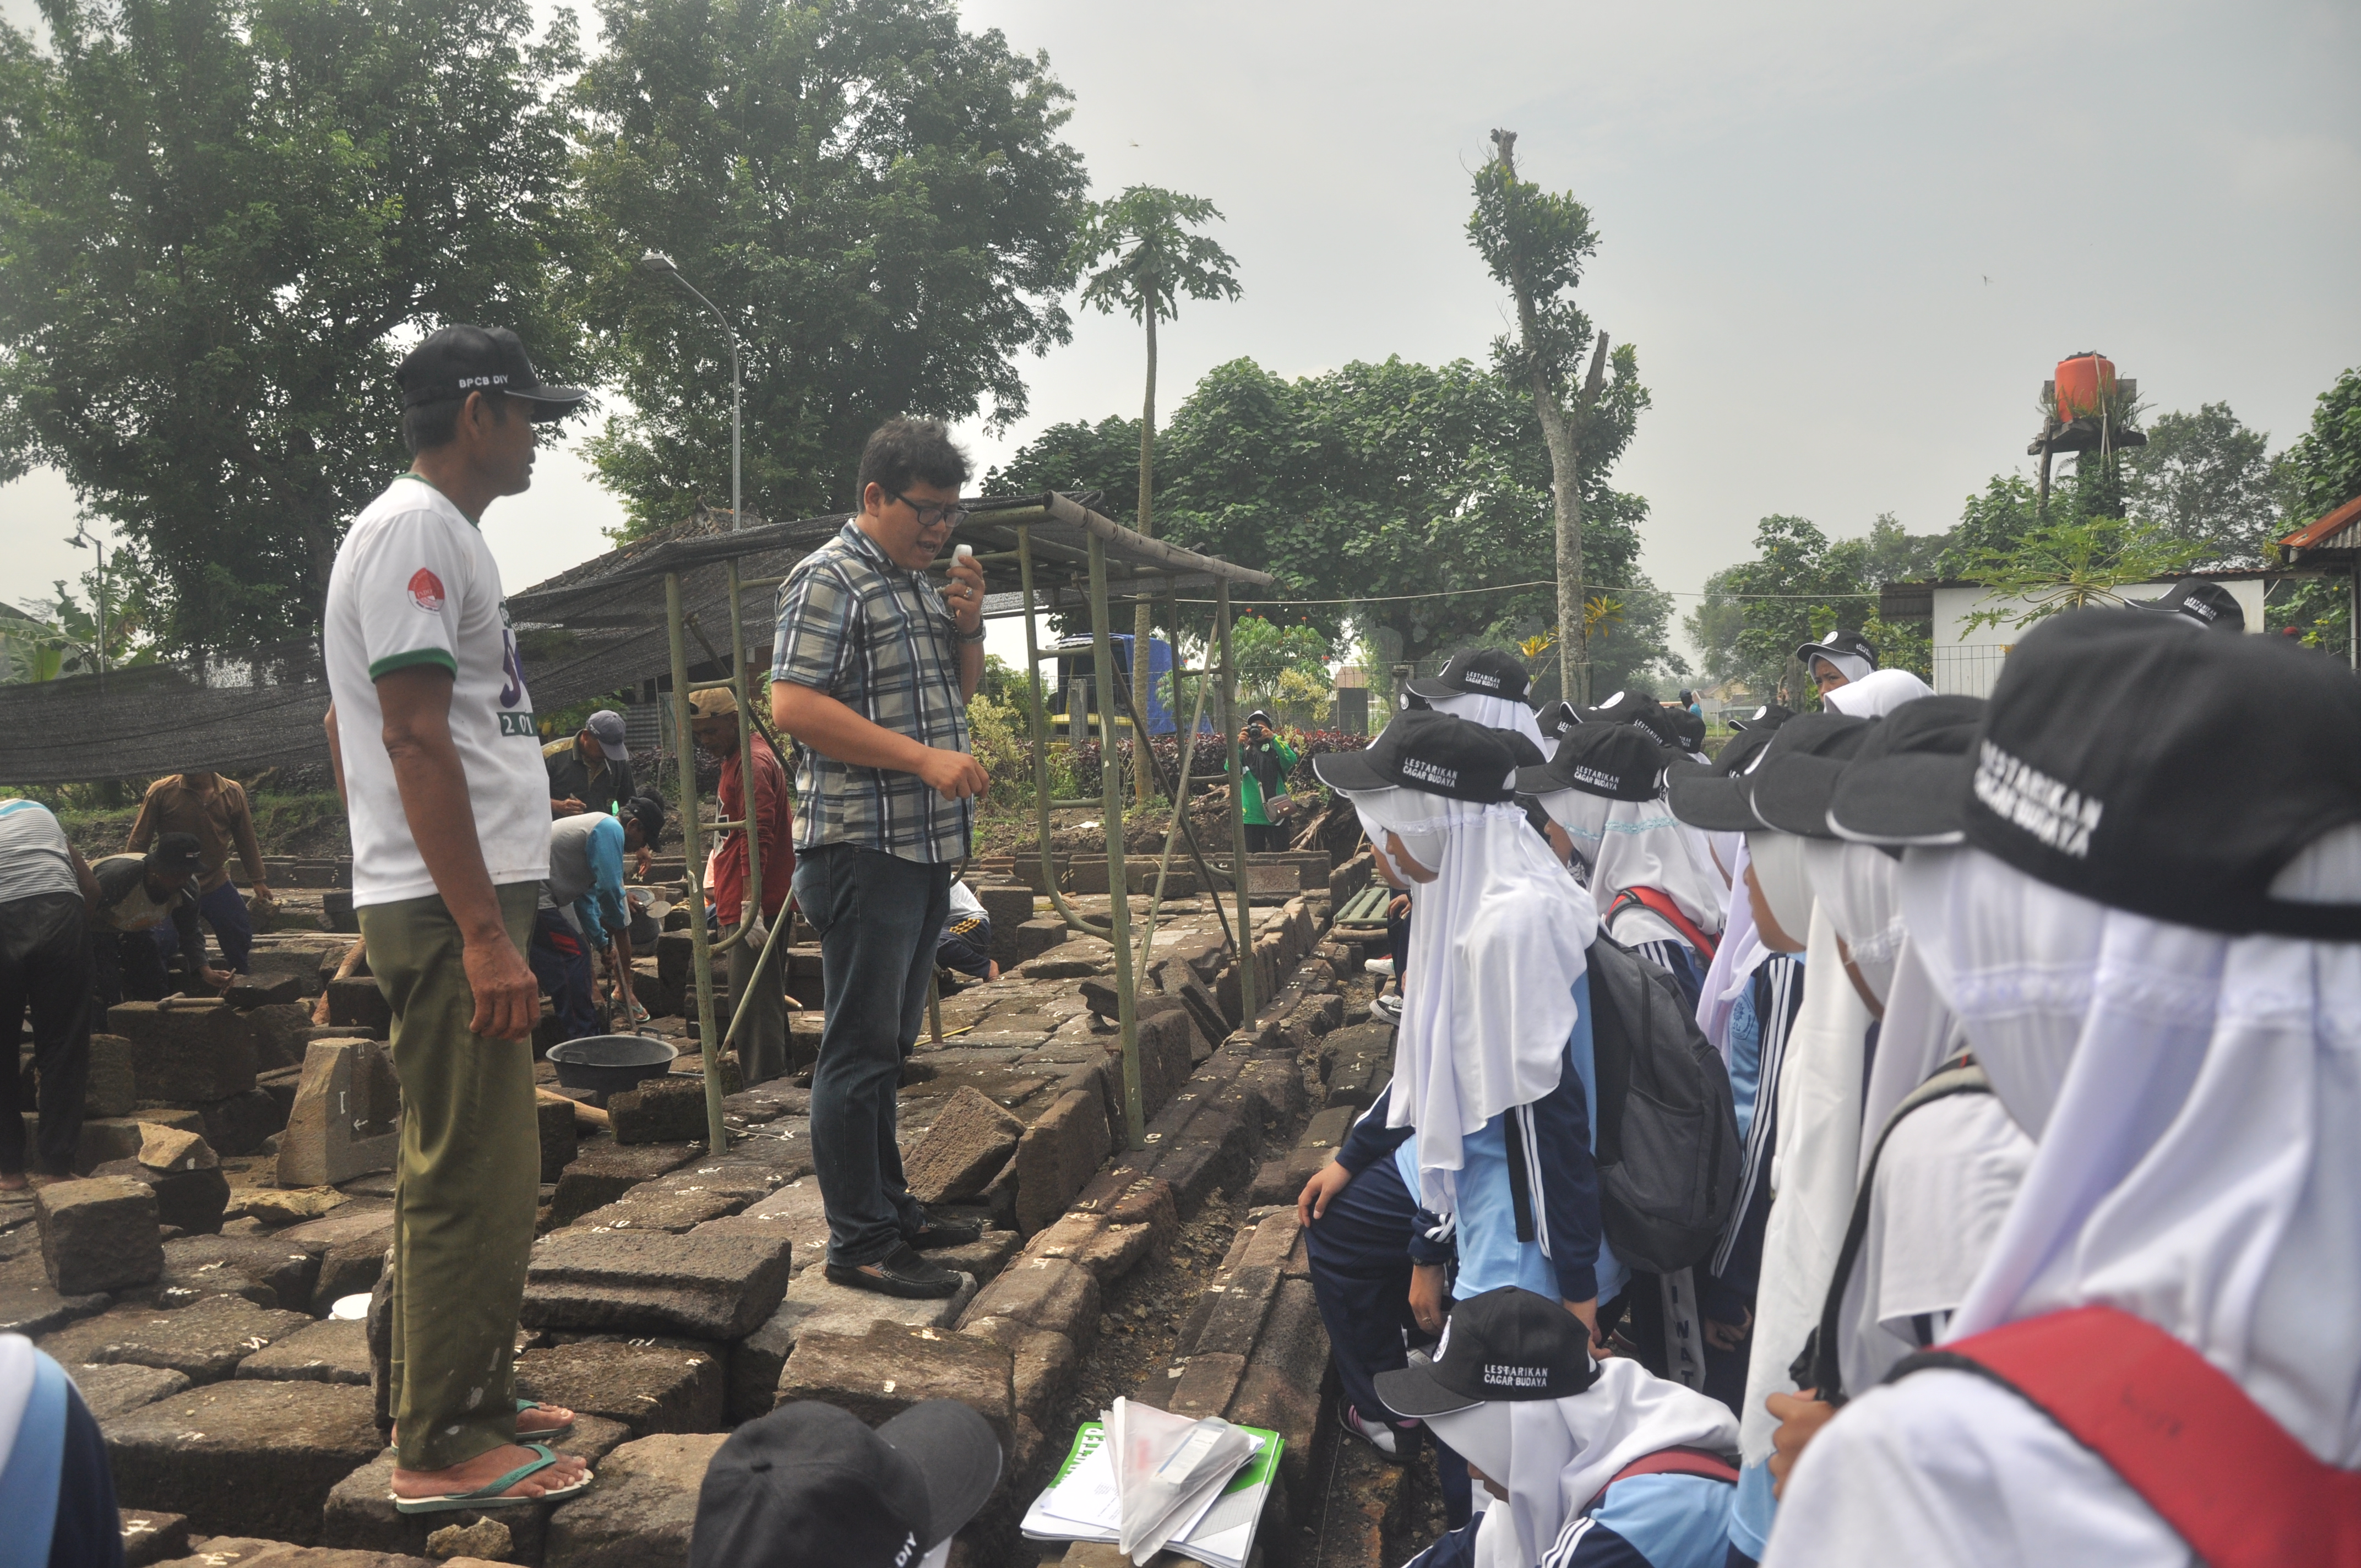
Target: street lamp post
[(657, 262), (82, 536)]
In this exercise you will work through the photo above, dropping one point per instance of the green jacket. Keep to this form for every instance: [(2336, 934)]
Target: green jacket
[(1267, 767)]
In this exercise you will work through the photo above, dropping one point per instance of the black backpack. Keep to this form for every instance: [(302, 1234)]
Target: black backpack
[(1667, 1143)]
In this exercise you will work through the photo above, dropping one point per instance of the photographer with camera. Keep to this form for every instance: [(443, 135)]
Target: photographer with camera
[(1266, 760)]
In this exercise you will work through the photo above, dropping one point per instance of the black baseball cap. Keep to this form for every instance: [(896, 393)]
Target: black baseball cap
[(1507, 1343), (1627, 707), (648, 811), (1620, 762), (1769, 716), (1906, 784), (1480, 672), (2209, 605), (2166, 775), (457, 360), (1427, 749), (1558, 717), (177, 854), (810, 1486), (1521, 746), (1851, 644), (1790, 790), (1720, 798)]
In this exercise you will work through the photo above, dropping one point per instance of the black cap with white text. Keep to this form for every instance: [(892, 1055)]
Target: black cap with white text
[(1507, 1344), (457, 360), (1480, 672), (1427, 749)]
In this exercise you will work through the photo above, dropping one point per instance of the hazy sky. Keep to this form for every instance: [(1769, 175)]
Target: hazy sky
[(1849, 240)]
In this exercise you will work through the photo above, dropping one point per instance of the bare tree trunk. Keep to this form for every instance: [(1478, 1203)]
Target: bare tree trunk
[(1144, 624), (1566, 484)]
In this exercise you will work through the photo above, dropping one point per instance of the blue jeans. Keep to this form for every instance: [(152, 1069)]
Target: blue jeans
[(225, 910), (878, 916), (1360, 1254), (561, 962)]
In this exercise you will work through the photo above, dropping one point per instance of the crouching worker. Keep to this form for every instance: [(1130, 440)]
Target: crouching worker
[(139, 897), (582, 910), (965, 946), (1590, 1463)]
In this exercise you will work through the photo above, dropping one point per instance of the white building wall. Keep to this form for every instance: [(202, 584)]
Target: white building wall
[(1967, 662)]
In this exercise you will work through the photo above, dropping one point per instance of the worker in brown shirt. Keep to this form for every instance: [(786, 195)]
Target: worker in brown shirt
[(212, 809)]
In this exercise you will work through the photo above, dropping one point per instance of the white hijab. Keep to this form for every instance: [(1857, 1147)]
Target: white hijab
[(2198, 1095), (1777, 859), (1813, 1175), (1494, 713), (1851, 666), (1874, 693), (16, 1367), (1644, 845), (1500, 938), (1555, 1455), (1859, 884), (1740, 954)]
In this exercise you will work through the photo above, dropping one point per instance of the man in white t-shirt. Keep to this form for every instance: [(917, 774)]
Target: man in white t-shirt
[(437, 757)]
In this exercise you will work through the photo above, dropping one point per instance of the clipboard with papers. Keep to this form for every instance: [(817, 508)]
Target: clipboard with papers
[(1084, 1500)]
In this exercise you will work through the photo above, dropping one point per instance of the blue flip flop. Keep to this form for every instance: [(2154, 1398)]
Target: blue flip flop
[(545, 1433), (490, 1494)]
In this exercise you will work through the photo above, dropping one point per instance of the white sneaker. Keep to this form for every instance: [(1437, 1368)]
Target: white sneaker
[(1386, 1008), (1377, 1434), (1377, 966)]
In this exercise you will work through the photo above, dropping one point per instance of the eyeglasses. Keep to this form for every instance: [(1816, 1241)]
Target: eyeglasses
[(931, 514)]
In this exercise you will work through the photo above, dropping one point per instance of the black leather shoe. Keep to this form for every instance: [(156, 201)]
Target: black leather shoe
[(943, 1229), (899, 1273)]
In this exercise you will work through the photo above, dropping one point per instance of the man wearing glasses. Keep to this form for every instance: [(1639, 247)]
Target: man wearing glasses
[(872, 672)]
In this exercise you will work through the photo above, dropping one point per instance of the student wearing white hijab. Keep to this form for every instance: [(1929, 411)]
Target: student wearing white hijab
[(1592, 1464), (1876, 694), (1657, 894), (1483, 685), (1492, 1057), (1844, 657), (2152, 935)]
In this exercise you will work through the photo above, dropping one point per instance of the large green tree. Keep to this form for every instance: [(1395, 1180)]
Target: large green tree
[(2205, 480), (878, 201), (1755, 614), (2323, 468), (222, 221)]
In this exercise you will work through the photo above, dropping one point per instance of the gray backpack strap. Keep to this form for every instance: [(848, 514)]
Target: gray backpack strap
[(1817, 1366)]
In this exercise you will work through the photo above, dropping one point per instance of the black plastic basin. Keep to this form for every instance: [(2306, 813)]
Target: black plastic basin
[(611, 1063)]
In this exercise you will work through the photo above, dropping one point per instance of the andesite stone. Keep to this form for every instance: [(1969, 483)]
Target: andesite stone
[(648, 1388), (642, 1508), (192, 1201), (879, 1374), (203, 1341), (98, 1234), (708, 1287), (360, 1512), (244, 1455), (111, 1391), (970, 1139), (332, 1351)]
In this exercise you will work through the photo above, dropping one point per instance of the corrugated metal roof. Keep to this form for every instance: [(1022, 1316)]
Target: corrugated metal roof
[(2339, 530)]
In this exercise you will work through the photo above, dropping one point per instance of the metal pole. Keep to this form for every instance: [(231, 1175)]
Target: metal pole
[(1119, 883), (1042, 744), (744, 694), (1242, 879), (693, 857)]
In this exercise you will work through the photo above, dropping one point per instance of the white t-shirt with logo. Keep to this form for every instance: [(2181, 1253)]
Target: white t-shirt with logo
[(415, 583), (35, 861)]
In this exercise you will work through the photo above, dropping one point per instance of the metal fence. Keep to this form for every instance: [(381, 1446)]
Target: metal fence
[(1970, 670)]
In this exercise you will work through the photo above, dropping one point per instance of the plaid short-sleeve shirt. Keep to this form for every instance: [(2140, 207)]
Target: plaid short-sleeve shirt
[(879, 639)]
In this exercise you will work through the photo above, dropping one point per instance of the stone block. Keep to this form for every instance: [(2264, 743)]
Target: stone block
[(346, 1117), (262, 1269), (1328, 1129), (186, 1049), (348, 1269), (558, 1138), (204, 1342), (244, 1456), (1207, 1383), (98, 1235), (1166, 1047), (336, 908), (357, 1004), (793, 1216), (604, 1170), (983, 1257), (103, 1140), (675, 953), (280, 1030), (360, 1512), (192, 1201), (150, 1537), (112, 1391), (359, 1221), (237, 1125), (1071, 959), (813, 1305), (879, 1374), (766, 1102), (1230, 1313), (648, 1388), (333, 1351), (175, 1149), (1280, 1388), (640, 1510), (670, 1109), (1279, 1084), (283, 1208), (1058, 1154), (970, 1140), (31, 1306), (716, 1286), (249, 993), (113, 1087), (1055, 1295)]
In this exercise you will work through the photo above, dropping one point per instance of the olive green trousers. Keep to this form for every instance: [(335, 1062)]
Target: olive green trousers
[(464, 1189)]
